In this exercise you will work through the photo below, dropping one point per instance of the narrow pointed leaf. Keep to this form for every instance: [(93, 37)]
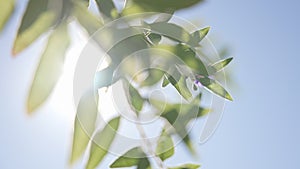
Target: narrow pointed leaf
[(136, 99), (49, 68), (86, 19), (155, 38), (137, 6), (165, 147), (215, 87), (200, 34), (154, 77), (165, 81), (102, 142), (84, 125), (186, 166), (216, 67), (37, 19), (133, 157), (6, 9)]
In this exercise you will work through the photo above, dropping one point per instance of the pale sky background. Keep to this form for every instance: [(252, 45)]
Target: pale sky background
[(260, 129)]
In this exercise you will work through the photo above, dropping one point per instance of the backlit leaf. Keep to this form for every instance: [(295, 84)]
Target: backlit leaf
[(165, 146), (133, 157), (49, 68), (200, 34), (37, 19), (215, 87), (186, 166), (84, 125), (6, 9), (102, 142), (216, 67), (86, 19), (137, 6), (135, 98)]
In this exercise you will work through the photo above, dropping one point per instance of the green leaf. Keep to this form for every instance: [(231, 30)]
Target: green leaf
[(218, 66), (37, 19), (107, 8), (84, 125), (154, 38), (6, 9), (215, 87), (165, 81), (200, 34), (182, 88), (102, 142), (133, 157), (179, 115), (179, 82), (136, 99), (154, 77), (165, 146), (86, 19), (138, 6), (186, 166), (49, 68), (187, 55), (173, 31)]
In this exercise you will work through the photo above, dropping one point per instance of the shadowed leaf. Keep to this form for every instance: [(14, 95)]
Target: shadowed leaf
[(102, 142), (107, 9), (49, 68)]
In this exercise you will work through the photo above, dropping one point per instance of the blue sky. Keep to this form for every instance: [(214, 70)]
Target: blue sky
[(260, 129)]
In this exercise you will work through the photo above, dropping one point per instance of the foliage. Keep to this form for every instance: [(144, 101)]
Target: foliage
[(52, 17)]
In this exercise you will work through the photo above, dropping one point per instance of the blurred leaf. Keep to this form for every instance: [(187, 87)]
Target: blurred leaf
[(165, 17), (104, 78), (179, 115), (154, 77), (89, 21), (136, 99), (200, 34), (186, 166), (84, 125), (107, 8), (165, 146), (173, 31), (6, 9), (138, 6), (182, 88), (36, 20), (215, 87), (49, 68), (165, 81), (126, 47), (133, 157), (187, 55), (102, 142), (154, 38), (216, 67)]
